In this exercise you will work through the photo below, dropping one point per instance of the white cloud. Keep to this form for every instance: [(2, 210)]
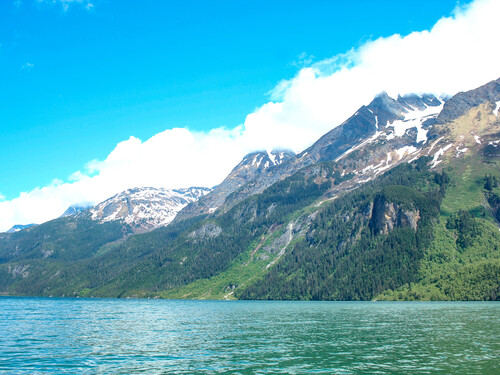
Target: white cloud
[(28, 66), (303, 60), (459, 53), (88, 4), (174, 158)]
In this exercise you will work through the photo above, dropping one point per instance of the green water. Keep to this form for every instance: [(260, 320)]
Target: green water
[(44, 335)]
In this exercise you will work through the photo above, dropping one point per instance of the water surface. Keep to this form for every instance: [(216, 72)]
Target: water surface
[(51, 335)]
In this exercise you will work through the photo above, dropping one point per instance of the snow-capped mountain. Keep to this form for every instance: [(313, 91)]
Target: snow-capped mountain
[(251, 167), (396, 126), (390, 131), (148, 208), (402, 122)]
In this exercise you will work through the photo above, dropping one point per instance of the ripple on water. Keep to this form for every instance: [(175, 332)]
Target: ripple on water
[(152, 336)]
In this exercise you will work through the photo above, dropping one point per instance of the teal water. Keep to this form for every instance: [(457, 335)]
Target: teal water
[(92, 336)]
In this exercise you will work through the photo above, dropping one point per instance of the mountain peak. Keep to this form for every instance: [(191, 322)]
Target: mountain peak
[(146, 208), (252, 166), (75, 209), (264, 159), (375, 120), (19, 227)]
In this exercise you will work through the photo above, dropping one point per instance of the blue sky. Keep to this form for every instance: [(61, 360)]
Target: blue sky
[(77, 81), (97, 96)]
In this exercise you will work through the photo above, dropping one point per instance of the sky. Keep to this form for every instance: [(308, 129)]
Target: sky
[(97, 96)]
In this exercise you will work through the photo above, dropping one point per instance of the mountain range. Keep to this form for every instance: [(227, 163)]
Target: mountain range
[(142, 208), (400, 201)]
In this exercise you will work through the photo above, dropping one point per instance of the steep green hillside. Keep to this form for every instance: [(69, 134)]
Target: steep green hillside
[(252, 264), (65, 239), (362, 243), (463, 260), (41, 259), (351, 253)]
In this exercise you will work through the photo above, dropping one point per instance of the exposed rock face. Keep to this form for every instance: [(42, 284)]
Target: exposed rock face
[(477, 131), (386, 216), (209, 230), (463, 102), (21, 270), (145, 209)]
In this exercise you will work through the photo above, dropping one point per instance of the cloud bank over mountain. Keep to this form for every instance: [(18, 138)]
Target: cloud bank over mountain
[(460, 52)]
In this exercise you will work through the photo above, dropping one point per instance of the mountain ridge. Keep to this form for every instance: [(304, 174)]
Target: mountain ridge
[(364, 127), (404, 210), (252, 166)]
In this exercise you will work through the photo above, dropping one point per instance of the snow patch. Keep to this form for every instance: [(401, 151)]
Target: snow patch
[(494, 143), (460, 151), (476, 138), (380, 167), (366, 169), (272, 157), (387, 165), (414, 119), (406, 150), (497, 106), (426, 113), (438, 154), (364, 181), (433, 144), (390, 136)]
